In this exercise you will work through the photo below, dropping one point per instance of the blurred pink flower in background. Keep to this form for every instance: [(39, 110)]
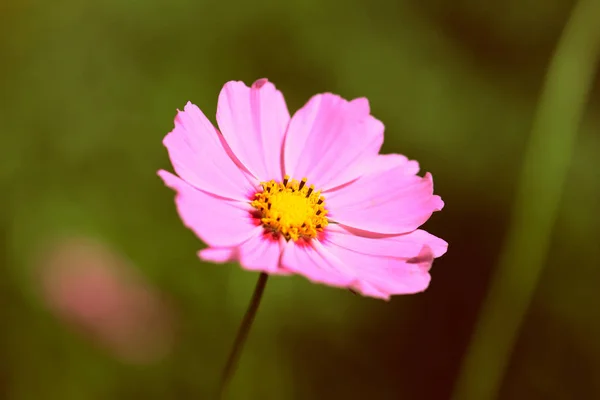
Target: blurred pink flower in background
[(308, 194), (95, 290)]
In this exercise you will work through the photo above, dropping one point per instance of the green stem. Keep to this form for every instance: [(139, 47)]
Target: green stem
[(539, 190), (242, 335)]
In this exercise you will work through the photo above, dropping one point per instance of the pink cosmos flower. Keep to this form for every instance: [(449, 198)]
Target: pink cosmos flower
[(308, 194), (93, 289)]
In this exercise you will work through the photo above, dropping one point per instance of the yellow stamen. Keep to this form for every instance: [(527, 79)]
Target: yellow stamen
[(291, 208)]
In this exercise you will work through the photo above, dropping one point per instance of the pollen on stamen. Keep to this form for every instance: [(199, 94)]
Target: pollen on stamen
[(302, 183), (310, 190), (291, 209)]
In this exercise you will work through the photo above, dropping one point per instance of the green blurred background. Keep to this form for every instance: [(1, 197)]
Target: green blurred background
[(88, 90)]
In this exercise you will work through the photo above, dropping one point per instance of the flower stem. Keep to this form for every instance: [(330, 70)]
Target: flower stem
[(242, 334), (546, 163)]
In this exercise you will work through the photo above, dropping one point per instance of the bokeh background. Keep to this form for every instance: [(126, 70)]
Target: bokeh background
[(101, 294)]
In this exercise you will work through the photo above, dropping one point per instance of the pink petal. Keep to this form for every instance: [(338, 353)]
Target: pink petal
[(312, 261), (218, 254), (199, 156), (406, 245), (386, 266), (368, 290), (259, 253), (385, 162), (217, 221), (330, 140), (253, 121), (388, 277), (377, 266), (388, 201)]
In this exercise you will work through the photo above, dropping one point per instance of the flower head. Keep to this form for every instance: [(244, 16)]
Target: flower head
[(94, 289), (308, 194)]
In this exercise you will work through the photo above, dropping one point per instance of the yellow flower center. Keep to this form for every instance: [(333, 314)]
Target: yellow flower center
[(291, 208)]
